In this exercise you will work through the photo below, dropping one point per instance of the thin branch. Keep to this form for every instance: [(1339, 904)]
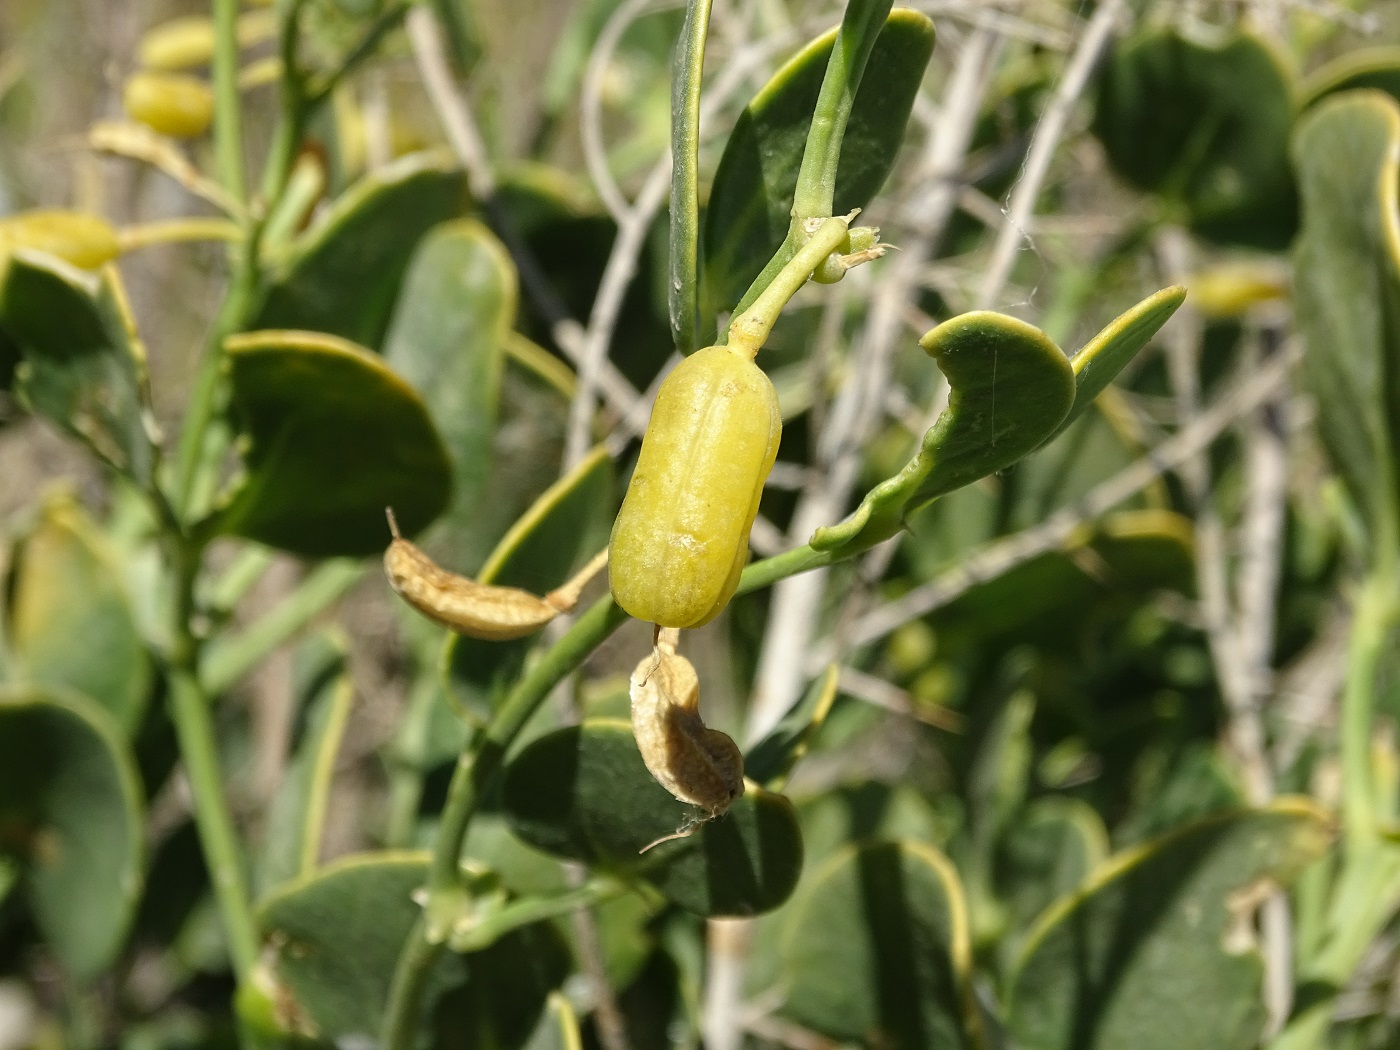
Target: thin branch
[(1042, 150)]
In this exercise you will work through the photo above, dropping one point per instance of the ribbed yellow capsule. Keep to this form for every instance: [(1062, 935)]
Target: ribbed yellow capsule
[(681, 537), (85, 241), (171, 103)]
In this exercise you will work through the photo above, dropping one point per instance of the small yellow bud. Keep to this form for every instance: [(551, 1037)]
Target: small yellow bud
[(171, 103), (85, 241)]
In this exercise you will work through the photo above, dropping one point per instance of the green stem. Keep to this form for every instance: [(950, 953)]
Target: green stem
[(530, 910), (406, 990), (228, 127), (749, 331), (816, 179), (769, 571), (1375, 613), (194, 729), (231, 658)]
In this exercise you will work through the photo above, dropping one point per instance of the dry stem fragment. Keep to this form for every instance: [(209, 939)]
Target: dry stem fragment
[(697, 764), (477, 610)]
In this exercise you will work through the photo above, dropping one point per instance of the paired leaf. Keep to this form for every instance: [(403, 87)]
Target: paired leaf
[(343, 275), (584, 793), (876, 950), (71, 813), (322, 694), (83, 367), (1012, 391), (751, 198), (1347, 290), (1205, 124), (447, 340), (321, 470), (1168, 924), (332, 942), (70, 622)]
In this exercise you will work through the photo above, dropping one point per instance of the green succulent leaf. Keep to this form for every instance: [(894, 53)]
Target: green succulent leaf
[(321, 470), (1048, 851), (1101, 359), (687, 65), (1203, 122), (876, 950), (71, 814), (322, 694), (343, 275), (584, 793), (82, 366), (332, 940), (70, 622), (771, 760), (1369, 67), (1011, 389), (751, 198), (541, 550), (447, 340), (1163, 925), (1347, 291)]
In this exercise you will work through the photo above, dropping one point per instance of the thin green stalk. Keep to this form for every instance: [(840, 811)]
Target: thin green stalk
[(228, 117), (1375, 614), (749, 331), (231, 658), (199, 753), (536, 909), (816, 179), (189, 710), (406, 990)]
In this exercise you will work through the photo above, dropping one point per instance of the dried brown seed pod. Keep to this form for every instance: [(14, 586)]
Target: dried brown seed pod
[(695, 763)]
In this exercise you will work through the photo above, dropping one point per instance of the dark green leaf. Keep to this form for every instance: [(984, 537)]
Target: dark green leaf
[(343, 275), (1050, 849), (1204, 123), (584, 793), (322, 697), (1011, 389), (751, 198), (447, 340), (70, 621), (1347, 290), (321, 470), (1168, 924), (876, 950), (558, 1028), (83, 367), (71, 813), (333, 940)]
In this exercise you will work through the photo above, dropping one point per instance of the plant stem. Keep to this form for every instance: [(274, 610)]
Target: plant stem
[(686, 69), (228, 128), (749, 331), (1375, 613), (816, 180), (194, 728)]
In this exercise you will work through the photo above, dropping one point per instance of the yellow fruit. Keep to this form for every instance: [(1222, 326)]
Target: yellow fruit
[(681, 537), (171, 103), (183, 43), (86, 241), (1230, 289)]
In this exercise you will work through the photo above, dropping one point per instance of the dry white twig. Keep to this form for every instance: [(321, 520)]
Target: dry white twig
[(1042, 150)]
